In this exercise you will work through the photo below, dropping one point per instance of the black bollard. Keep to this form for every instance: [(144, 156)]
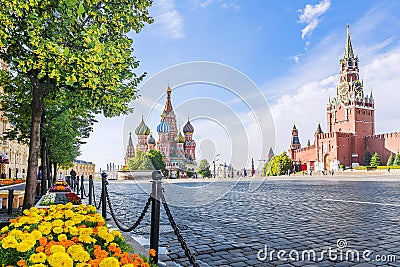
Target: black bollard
[(10, 201), (90, 189), (103, 195), (77, 185), (155, 213), (82, 188)]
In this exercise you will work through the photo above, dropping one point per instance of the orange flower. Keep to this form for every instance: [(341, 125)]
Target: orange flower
[(75, 239), (39, 249), (100, 223), (21, 263), (13, 221), (94, 263), (43, 241), (152, 253)]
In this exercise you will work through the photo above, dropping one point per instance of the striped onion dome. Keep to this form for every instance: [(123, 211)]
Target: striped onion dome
[(179, 138), (188, 128), (142, 129), (151, 140), (163, 127)]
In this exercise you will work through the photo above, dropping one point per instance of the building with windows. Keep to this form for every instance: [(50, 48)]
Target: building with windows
[(350, 125), (82, 167)]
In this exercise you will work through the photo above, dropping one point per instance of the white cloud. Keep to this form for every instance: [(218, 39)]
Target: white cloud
[(167, 19), (296, 58), (311, 16), (232, 5)]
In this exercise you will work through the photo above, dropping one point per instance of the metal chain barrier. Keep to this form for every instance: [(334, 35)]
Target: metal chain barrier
[(94, 199), (84, 191), (177, 232), (138, 221)]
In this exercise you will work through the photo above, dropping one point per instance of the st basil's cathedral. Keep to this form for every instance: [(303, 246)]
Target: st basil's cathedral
[(178, 149)]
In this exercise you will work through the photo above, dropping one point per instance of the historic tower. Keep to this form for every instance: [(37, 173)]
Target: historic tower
[(142, 131), (351, 111), (190, 144), (295, 143), (130, 150)]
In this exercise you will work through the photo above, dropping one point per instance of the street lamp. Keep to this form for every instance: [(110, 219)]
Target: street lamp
[(214, 160)]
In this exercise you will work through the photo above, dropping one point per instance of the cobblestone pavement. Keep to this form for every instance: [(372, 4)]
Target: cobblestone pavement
[(243, 228)]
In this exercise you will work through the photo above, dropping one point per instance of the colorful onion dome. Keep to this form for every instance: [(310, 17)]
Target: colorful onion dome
[(151, 140), (163, 127), (142, 129), (179, 138), (188, 128)]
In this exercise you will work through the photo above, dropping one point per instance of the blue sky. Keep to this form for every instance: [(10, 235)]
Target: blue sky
[(289, 49)]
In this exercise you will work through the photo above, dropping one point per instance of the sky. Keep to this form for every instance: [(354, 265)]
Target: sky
[(245, 72)]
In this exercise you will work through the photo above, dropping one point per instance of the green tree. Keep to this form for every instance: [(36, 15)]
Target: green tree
[(204, 168), (80, 47), (278, 165), (157, 159), (367, 158), (390, 160), (375, 160), (397, 160), (140, 162)]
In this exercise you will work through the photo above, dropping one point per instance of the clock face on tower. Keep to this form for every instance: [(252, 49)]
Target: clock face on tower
[(343, 88), (357, 87)]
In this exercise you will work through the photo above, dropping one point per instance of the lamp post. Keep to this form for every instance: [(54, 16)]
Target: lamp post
[(214, 160), (15, 162)]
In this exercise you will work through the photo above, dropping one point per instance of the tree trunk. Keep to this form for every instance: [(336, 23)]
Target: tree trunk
[(55, 172), (31, 179), (50, 180), (45, 175)]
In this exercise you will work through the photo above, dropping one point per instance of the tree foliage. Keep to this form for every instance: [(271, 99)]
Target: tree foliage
[(367, 158), (141, 161), (278, 165), (204, 168), (77, 49), (375, 160), (390, 160), (397, 160), (157, 159)]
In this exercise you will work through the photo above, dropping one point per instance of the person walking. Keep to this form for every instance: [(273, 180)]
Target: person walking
[(73, 179)]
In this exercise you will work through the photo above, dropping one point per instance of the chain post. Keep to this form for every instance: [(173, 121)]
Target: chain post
[(155, 213), (103, 195), (82, 188), (90, 189), (10, 201)]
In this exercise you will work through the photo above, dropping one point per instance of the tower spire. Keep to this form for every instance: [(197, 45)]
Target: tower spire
[(348, 50), (130, 143), (168, 105)]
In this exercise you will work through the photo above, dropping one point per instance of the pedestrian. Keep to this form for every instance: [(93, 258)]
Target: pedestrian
[(39, 181), (73, 178)]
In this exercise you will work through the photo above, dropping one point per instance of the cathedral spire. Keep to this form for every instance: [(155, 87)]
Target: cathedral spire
[(130, 143), (348, 50), (168, 105)]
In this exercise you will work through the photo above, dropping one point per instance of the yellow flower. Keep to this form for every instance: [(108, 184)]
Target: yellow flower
[(62, 237), (86, 239), (38, 257), (78, 253), (36, 234), (58, 223), (128, 265), (57, 248), (109, 262), (58, 230), (83, 265), (23, 247), (73, 230), (38, 265), (60, 259), (4, 229), (9, 242)]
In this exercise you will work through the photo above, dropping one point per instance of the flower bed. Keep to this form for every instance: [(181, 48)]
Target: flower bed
[(60, 186), (52, 198), (4, 182), (63, 235)]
